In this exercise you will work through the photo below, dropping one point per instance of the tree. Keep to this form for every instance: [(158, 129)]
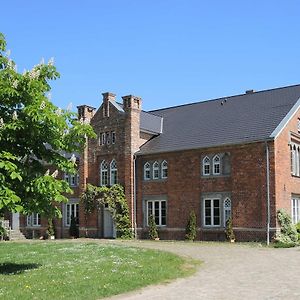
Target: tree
[(34, 134), (191, 230), (153, 234)]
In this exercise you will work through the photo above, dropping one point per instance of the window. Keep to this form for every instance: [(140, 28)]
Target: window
[(295, 210), (227, 210), (206, 165), (216, 165), (158, 209), (103, 173), (113, 137), (72, 209), (103, 138), (212, 216), (72, 179), (156, 170), (164, 169), (295, 160), (147, 175), (107, 138), (34, 219), (113, 173)]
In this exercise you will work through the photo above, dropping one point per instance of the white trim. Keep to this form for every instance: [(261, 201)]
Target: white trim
[(212, 212), (164, 166), (159, 211), (113, 168), (155, 168), (103, 170), (285, 120), (216, 163), (206, 164), (147, 167)]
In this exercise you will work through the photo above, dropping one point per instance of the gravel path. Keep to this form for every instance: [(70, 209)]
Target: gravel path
[(228, 272)]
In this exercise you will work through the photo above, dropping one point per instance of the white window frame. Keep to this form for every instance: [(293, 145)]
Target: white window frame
[(160, 216), (103, 138), (69, 208), (147, 171), (206, 162), (227, 209), (103, 173), (113, 172), (164, 169), (34, 220), (212, 212), (155, 170), (216, 163), (295, 209)]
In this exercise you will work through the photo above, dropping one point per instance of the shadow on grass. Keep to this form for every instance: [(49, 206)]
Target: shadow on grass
[(7, 268)]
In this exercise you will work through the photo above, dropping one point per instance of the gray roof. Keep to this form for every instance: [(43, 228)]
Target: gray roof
[(230, 120), (151, 123)]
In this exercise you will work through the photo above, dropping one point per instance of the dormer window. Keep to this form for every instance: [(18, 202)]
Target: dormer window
[(206, 165), (147, 174), (156, 170)]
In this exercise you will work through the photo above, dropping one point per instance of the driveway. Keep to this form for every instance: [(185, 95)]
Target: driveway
[(229, 271)]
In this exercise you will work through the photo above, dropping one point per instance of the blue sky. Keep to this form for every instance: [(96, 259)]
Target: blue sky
[(167, 52)]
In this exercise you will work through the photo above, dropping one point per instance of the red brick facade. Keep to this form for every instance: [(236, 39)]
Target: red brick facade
[(186, 187)]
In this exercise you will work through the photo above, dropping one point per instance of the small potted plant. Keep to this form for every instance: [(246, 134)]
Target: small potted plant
[(229, 231)]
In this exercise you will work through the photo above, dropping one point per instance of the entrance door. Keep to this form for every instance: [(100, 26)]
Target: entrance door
[(109, 230), (15, 221)]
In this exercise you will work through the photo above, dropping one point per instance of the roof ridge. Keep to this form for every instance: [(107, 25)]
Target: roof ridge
[(224, 97)]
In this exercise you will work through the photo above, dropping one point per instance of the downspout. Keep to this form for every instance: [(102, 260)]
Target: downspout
[(268, 192), (134, 197)]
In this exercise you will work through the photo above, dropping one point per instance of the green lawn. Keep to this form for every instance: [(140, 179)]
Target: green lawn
[(82, 270)]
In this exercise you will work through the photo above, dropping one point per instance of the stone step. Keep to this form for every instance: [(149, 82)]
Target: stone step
[(16, 235)]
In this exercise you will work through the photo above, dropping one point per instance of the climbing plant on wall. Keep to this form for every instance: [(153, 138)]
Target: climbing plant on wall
[(114, 197)]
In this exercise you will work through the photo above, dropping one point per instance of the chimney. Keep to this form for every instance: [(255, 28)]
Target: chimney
[(107, 97), (131, 102), (85, 113), (250, 92)]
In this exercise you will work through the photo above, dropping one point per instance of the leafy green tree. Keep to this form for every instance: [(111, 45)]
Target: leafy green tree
[(191, 230), (34, 134)]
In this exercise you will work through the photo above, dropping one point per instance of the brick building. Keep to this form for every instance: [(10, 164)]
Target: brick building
[(235, 156)]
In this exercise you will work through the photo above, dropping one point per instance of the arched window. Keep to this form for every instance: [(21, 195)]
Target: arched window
[(216, 165), (113, 173), (206, 165), (103, 173), (227, 210), (156, 170), (147, 174), (294, 161), (164, 169), (226, 164), (297, 162)]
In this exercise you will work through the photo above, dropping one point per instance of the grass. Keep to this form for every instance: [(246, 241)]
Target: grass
[(82, 270)]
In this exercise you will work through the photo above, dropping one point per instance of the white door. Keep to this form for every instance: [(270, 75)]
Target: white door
[(109, 230), (15, 221)]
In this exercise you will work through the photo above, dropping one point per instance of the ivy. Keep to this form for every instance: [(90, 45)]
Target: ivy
[(96, 197)]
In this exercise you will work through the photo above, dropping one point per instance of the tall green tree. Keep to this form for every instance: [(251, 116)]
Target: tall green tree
[(34, 134)]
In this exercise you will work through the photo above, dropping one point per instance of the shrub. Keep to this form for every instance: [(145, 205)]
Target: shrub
[(74, 230), (3, 233), (153, 234), (298, 230), (229, 230), (191, 229), (288, 234)]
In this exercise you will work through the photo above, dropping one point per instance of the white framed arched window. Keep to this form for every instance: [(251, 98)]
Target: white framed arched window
[(156, 170), (103, 173), (147, 171), (113, 172), (206, 165), (164, 169), (216, 165), (227, 210)]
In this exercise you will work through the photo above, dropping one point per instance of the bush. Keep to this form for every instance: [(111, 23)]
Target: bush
[(74, 230), (298, 230), (229, 230), (191, 228), (153, 234), (3, 233), (288, 234)]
